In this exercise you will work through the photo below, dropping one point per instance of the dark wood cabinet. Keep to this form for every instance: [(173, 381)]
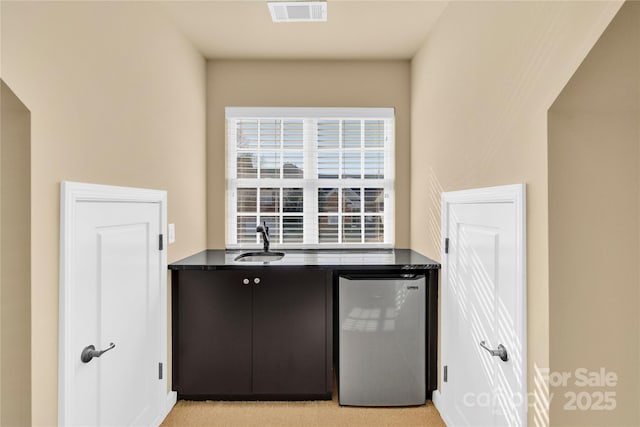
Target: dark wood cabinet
[(252, 334), (233, 338), (212, 352), (290, 333)]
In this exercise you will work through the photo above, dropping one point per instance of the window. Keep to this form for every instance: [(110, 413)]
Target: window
[(318, 177)]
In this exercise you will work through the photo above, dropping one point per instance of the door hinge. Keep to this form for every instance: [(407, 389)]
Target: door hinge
[(160, 243), (160, 370), (445, 374), (446, 245)]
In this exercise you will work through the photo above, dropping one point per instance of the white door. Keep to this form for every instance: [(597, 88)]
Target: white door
[(114, 301), (483, 308)]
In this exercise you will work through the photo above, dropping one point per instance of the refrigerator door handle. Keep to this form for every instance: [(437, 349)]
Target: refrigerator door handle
[(364, 276)]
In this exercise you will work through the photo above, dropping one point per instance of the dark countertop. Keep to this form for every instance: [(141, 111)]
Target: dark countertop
[(391, 259)]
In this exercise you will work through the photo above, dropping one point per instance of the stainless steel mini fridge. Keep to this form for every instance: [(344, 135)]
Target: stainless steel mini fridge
[(381, 355)]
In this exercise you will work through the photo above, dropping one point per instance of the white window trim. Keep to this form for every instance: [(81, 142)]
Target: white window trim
[(310, 183), (306, 112)]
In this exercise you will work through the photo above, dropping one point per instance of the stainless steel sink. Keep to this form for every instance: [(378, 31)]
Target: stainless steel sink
[(259, 256)]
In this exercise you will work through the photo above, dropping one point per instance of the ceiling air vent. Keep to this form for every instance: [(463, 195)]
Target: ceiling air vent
[(298, 11)]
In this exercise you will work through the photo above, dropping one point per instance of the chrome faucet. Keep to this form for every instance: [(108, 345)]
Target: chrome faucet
[(265, 235)]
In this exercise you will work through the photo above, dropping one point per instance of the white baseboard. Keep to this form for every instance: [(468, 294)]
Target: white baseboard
[(436, 398), (170, 401)]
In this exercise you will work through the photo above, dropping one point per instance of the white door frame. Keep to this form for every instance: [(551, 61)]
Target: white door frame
[(515, 194), (70, 194)]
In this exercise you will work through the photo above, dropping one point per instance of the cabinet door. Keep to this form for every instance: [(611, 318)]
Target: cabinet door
[(289, 332), (214, 339)]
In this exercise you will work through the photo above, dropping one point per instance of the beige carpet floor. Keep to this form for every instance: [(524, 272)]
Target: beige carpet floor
[(321, 413)]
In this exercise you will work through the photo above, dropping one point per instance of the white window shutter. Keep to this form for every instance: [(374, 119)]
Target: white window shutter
[(319, 177)]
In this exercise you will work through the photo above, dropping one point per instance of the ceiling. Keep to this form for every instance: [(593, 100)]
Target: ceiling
[(355, 29)]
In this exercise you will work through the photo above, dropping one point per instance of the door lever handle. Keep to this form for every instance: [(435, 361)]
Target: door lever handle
[(89, 352), (501, 352)]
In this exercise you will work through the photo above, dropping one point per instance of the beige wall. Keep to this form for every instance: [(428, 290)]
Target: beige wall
[(117, 96), (481, 87), (594, 225), (15, 265), (305, 84), (1, 377)]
